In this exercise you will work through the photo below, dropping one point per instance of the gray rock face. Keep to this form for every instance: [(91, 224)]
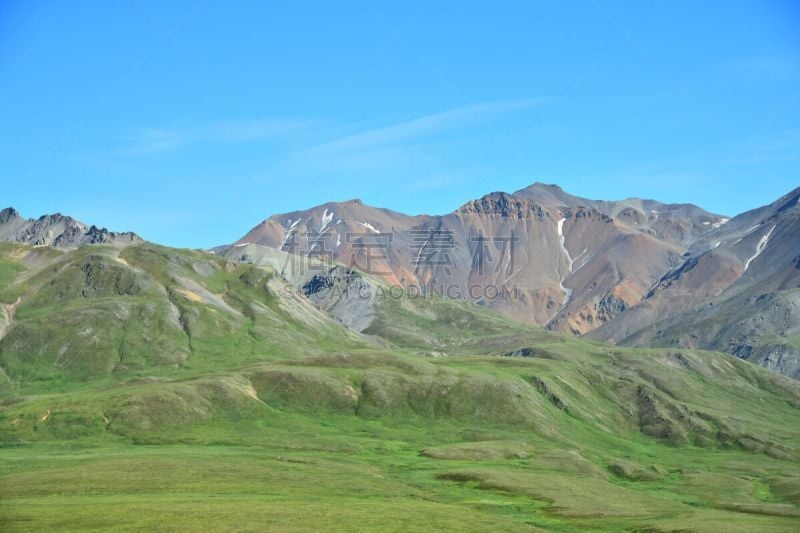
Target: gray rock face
[(7, 214), (782, 359), (56, 230), (610, 307), (348, 295)]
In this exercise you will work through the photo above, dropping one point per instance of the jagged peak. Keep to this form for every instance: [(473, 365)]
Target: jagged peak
[(503, 204), (7, 214), (58, 230), (58, 217)]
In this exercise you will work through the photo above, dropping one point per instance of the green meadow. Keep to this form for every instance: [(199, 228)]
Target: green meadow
[(152, 388)]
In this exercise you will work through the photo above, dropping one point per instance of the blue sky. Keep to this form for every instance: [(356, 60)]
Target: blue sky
[(190, 122)]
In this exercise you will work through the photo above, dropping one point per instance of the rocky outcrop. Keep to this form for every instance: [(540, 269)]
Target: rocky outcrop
[(57, 230), (504, 205), (779, 357), (336, 289)]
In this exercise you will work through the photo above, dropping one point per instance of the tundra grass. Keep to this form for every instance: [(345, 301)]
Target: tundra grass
[(293, 471), (288, 464)]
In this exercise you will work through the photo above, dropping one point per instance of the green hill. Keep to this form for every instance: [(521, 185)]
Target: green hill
[(151, 388)]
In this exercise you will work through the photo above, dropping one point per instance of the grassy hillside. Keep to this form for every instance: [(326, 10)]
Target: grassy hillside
[(154, 388), (101, 314)]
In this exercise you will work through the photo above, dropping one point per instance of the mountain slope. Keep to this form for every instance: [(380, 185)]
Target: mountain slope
[(738, 291), (105, 313)]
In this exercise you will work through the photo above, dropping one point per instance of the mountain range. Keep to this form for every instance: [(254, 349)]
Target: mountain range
[(148, 387), (637, 272), (634, 272)]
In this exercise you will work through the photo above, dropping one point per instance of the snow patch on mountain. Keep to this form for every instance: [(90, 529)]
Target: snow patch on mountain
[(292, 226), (369, 227), (562, 240), (418, 260), (326, 219), (721, 223), (751, 229), (567, 291), (762, 244), (582, 259)]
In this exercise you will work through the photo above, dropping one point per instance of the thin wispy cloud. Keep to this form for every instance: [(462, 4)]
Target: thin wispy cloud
[(154, 140), (427, 126), (414, 148), (150, 140), (236, 131)]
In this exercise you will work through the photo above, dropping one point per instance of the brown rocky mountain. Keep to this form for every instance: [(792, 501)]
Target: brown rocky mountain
[(539, 255), (633, 271), (56, 230), (737, 290)]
